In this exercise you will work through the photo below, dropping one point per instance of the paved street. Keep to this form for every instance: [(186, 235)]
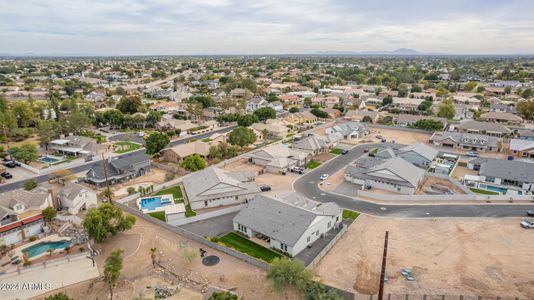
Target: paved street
[(307, 186), (42, 178)]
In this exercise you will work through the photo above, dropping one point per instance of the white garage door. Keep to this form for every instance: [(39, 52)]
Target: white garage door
[(13, 238)]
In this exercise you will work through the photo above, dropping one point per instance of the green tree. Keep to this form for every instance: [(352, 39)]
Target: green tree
[(205, 101), (387, 100), (265, 113), (508, 90), (130, 105), (294, 109), (284, 272), (247, 120), (526, 109), (23, 113), (49, 213), (75, 122), (446, 109), (469, 86), (30, 184), (429, 124), (106, 219), (59, 296), (241, 136), (367, 119), (25, 153), (319, 113), (112, 269), (223, 296), (152, 118), (47, 131), (155, 142), (318, 291), (114, 117), (194, 163)]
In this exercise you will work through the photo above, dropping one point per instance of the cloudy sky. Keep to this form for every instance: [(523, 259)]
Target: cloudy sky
[(144, 27)]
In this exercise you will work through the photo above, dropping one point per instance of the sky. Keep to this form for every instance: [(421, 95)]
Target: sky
[(183, 27)]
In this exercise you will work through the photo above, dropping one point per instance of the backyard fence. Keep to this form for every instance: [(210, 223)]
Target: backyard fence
[(329, 246), (43, 265)]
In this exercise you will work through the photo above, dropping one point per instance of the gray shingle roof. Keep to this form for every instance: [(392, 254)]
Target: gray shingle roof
[(508, 169), (410, 175), (279, 219), (484, 126), (421, 149)]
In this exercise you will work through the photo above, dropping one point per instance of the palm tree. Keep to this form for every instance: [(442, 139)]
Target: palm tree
[(153, 256)]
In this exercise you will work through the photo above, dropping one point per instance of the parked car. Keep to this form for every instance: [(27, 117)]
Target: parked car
[(298, 170), (344, 152), (365, 150), (265, 188), (10, 164), (530, 213), (510, 157), (472, 154), (6, 175), (527, 224), (324, 176)]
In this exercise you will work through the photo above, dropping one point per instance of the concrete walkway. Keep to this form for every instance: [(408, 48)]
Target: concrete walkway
[(39, 280)]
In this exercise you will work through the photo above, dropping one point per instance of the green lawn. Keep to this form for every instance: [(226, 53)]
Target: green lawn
[(176, 192), (206, 140), (130, 147), (483, 192), (244, 245), (313, 164), (350, 214), (336, 151), (189, 212), (158, 215)]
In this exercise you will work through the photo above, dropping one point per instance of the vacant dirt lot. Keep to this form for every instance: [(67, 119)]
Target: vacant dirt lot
[(399, 136), (487, 257), (429, 182), (138, 273), (241, 166)]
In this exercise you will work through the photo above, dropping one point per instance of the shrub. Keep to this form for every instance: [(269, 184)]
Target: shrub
[(130, 190)]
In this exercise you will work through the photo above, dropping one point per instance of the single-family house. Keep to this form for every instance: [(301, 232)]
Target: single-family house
[(488, 128), (256, 103), (348, 130), (213, 187), (418, 154), (509, 177), (501, 117), (20, 214), (522, 148), (75, 197), (277, 106), (467, 141), (359, 115), (275, 128), (119, 169), (393, 174), (288, 225), (278, 158), (316, 144), (406, 104), (76, 145), (407, 120), (179, 152)]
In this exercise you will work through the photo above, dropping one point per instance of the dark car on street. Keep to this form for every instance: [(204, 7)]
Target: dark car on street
[(6, 175)]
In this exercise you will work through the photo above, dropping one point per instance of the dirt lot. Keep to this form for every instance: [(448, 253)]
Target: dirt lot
[(153, 177), (241, 166), (460, 171), (399, 136), (487, 257), (138, 273)]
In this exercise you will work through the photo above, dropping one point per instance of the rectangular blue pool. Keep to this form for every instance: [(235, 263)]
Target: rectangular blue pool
[(48, 160), (43, 247), (154, 202)]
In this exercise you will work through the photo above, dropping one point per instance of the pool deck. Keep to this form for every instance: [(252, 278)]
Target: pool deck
[(51, 238)]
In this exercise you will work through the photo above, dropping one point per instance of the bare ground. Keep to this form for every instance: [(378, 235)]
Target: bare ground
[(138, 272), (487, 257)]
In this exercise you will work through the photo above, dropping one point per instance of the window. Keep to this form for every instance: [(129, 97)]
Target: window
[(283, 247), (308, 239), (490, 179)]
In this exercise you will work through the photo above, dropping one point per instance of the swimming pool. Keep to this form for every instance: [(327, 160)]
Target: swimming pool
[(48, 160), (43, 247), (496, 189), (151, 203)]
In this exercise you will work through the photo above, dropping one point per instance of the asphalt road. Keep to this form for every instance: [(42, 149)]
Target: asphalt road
[(307, 185), (77, 169)]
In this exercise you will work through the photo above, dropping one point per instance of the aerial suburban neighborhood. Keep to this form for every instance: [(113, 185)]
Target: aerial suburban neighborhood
[(324, 175)]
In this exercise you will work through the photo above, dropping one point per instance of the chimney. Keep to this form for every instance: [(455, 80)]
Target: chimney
[(55, 200)]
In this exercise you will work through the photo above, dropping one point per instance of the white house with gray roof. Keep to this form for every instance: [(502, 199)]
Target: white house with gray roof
[(510, 177), (278, 158), (467, 141), (348, 130), (288, 224), (316, 144), (75, 197), (391, 174), (418, 154), (213, 187)]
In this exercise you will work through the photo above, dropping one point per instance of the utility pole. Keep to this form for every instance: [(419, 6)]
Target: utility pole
[(383, 271), (108, 191)]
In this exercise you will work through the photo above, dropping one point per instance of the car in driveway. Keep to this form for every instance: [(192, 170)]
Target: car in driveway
[(344, 152), (324, 176), (530, 213), (298, 170), (11, 164), (6, 175), (527, 224), (472, 154), (265, 188)]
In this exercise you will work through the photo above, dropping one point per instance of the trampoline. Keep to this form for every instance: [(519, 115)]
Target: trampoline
[(211, 260)]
